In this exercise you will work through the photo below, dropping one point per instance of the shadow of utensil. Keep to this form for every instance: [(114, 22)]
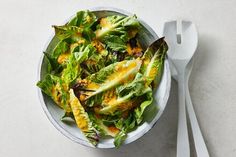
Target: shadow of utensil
[(204, 61)]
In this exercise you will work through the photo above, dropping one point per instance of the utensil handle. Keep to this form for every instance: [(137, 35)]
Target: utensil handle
[(182, 134), (200, 145)]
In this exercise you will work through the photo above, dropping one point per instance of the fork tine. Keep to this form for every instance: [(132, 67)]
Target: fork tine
[(179, 31)]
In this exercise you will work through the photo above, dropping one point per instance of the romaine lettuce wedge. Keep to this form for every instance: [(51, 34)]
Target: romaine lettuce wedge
[(82, 119), (57, 89), (126, 93), (153, 60), (107, 78)]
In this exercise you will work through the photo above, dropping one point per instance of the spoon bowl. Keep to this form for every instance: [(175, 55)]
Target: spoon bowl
[(187, 33)]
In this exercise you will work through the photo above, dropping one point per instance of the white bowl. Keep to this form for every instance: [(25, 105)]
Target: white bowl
[(54, 113)]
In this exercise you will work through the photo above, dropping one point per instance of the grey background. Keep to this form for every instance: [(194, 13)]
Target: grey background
[(25, 26)]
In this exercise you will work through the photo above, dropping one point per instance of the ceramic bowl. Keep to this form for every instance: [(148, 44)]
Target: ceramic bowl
[(151, 115)]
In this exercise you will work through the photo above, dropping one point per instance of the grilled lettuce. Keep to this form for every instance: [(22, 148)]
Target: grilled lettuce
[(100, 76)]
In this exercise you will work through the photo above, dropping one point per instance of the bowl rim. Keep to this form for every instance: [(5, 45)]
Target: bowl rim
[(66, 133)]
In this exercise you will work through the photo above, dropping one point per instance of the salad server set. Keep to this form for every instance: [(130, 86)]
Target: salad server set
[(182, 40)]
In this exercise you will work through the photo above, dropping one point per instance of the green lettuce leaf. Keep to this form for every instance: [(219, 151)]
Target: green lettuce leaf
[(61, 47), (95, 63), (72, 70), (83, 19), (153, 60), (103, 129), (57, 89), (115, 43), (89, 59), (126, 126), (120, 138), (64, 32), (73, 34), (79, 54), (113, 31), (83, 52), (126, 93), (53, 65), (117, 25), (47, 84), (78, 28), (140, 110)]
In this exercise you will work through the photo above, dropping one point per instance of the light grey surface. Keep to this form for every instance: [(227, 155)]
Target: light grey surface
[(24, 28)]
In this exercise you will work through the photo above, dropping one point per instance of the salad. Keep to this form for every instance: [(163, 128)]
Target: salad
[(101, 76)]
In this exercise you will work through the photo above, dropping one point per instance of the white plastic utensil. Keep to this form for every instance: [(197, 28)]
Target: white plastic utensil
[(182, 40)]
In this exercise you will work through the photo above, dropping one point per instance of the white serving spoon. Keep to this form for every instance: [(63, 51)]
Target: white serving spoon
[(182, 40)]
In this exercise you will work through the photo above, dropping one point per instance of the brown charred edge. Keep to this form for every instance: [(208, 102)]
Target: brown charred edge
[(94, 26), (85, 71), (158, 44), (79, 89), (133, 42)]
